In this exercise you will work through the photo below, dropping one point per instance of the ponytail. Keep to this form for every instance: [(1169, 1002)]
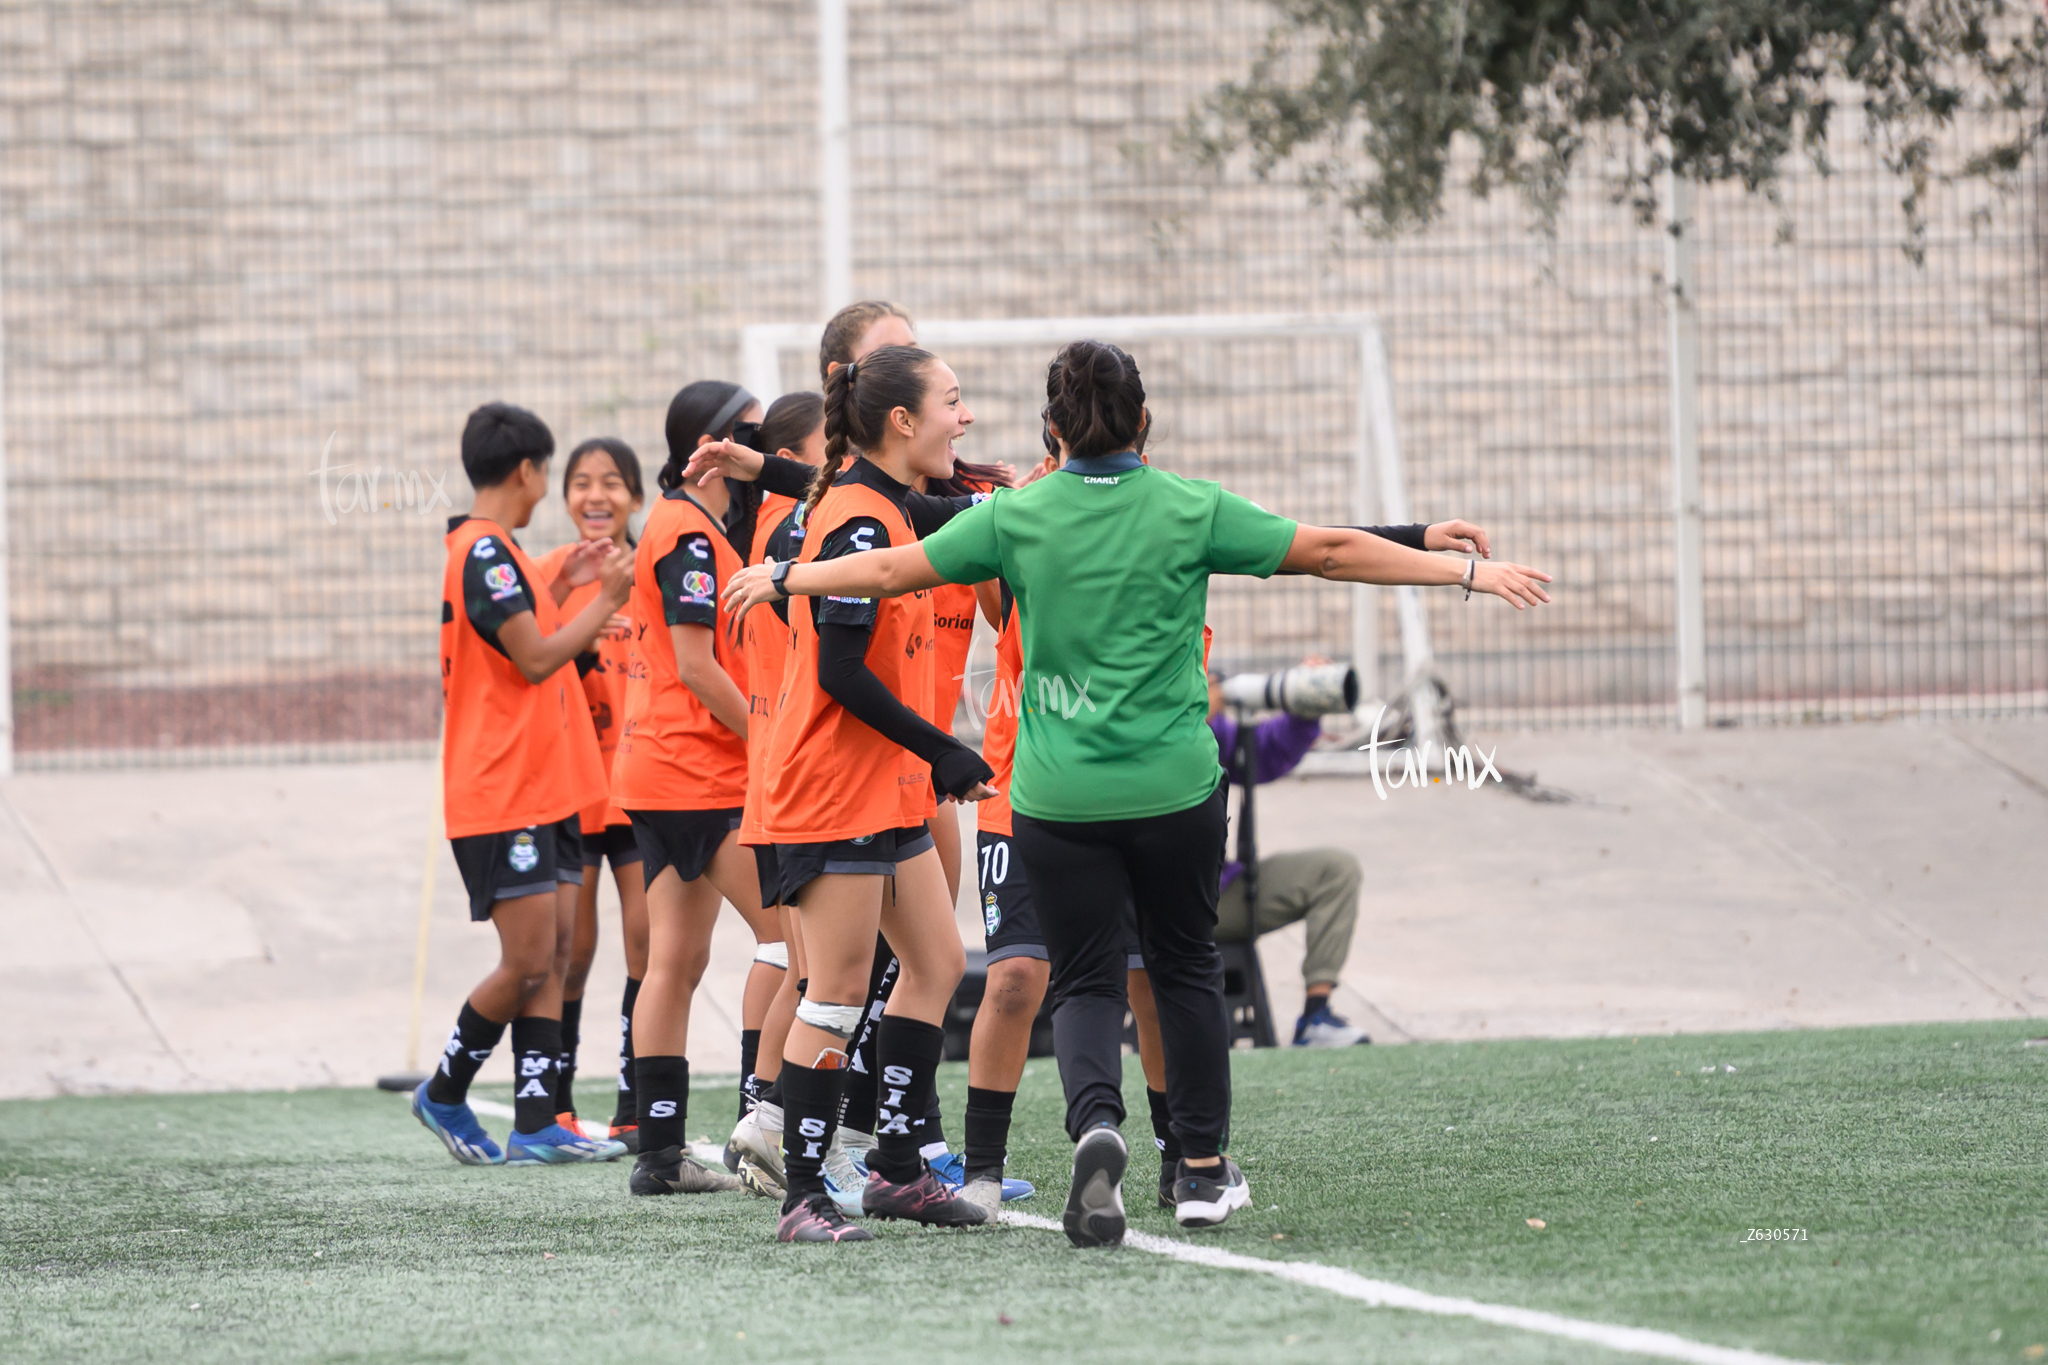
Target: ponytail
[(859, 396)]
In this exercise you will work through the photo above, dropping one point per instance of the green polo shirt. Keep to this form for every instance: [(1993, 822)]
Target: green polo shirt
[(1110, 561)]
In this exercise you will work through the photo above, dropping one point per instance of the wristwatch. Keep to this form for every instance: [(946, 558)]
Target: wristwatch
[(778, 577)]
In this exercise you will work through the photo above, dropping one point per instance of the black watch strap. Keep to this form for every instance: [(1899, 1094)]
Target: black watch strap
[(779, 577)]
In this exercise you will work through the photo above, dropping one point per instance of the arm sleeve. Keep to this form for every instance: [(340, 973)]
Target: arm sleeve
[(493, 589), (791, 478), (850, 537), (844, 674), (927, 513), (965, 550), (1245, 538), (1410, 536), (688, 579)]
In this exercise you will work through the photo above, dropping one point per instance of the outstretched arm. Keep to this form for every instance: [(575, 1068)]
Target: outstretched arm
[(1350, 555), (865, 573)]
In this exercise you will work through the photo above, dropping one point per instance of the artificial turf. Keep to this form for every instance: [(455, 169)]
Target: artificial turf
[(326, 1225)]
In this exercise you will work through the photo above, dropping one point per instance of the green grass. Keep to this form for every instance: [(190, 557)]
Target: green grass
[(325, 1225)]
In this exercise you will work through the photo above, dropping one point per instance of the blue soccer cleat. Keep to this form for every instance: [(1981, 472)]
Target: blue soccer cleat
[(556, 1145), (951, 1169), (458, 1130)]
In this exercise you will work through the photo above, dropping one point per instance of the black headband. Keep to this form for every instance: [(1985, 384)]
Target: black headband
[(740, 401)]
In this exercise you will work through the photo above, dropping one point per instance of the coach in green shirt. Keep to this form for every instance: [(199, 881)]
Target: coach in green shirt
[(1120, 807)]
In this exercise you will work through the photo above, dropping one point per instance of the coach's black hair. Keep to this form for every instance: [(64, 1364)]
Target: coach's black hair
[(858, 400), (1094, 396), (708, 407), (497, 437), (790, 420), (623, 459)]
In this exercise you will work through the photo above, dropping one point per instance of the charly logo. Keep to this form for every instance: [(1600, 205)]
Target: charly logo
[(525, 854)]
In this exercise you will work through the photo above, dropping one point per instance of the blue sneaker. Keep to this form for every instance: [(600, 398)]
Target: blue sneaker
[(555, 1144), (1322, 1028), (458, 1130), (951, 1169)]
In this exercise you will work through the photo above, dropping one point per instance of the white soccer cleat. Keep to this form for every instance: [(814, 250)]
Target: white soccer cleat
[(758, 1138)]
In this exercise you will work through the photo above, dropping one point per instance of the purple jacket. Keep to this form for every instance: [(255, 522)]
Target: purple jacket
[(1278, 745)]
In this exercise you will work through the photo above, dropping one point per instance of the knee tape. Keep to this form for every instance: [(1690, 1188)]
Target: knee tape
[(774, 954), (837, 1020)]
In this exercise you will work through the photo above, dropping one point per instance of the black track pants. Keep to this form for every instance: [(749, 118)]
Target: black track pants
[(1089, 880)]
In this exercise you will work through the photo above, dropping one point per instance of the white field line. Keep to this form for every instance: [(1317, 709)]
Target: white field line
[(1382, 1294)]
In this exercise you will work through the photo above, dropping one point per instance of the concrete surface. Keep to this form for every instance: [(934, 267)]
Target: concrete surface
[(224, 928)]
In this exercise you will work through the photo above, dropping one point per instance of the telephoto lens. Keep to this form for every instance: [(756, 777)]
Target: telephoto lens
[(1306, 690)]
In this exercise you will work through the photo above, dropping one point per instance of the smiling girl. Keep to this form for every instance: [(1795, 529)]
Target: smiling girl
[(602, 489)]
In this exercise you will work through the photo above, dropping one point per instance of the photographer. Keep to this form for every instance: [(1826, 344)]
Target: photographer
[(1318, 886)]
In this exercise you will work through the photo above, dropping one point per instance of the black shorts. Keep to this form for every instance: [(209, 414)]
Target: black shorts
[(768, 869), (519, 862), (616, 843), (872, 855), (682, 839), (1008, 919)]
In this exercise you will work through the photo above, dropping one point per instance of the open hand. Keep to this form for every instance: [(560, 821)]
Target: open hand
[(726, 459), (579, 566), (749, 588), (1461, 536), (1514, 582), (615, 574)]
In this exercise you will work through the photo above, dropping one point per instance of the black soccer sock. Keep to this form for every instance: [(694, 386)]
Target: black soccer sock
[(663, 1084), (565, 1076), (931, 1129), (909, 1052), (627, 1112), (988, 1131), (810, 1099), (858, 1110), (750, 1052), (1162, 1130), (468, 1046), (537, 1045), (771, 1093)]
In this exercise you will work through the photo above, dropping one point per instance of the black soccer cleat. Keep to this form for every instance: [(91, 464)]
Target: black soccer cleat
[(1203, 1197), (668, 1171), (926, 1200), (1095, 1200), (1166, 1177), (815, 1218)]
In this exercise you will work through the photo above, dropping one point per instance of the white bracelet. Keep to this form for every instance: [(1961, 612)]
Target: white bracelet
[(1471, 575)]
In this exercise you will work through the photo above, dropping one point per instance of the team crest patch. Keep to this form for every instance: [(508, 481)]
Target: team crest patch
[(991, 913), (524, 856), (697, 584), (501, 578), (485, 549), (864, 839)]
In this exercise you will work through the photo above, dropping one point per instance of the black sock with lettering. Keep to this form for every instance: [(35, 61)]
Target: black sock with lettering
[(810, 1099), (628, 1111), (468, 1046), (663, 1085), (858, 1109), (750, 1052), (908, 1051), (537, 1045), (931, 1129), (988, 1131), (1162, 1131), (565, 1076), (771, 1091)]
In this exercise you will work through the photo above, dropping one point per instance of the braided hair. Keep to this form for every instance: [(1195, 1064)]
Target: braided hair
[(859, 396)]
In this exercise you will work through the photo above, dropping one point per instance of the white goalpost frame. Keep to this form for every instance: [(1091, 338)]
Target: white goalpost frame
[(1377, 466)]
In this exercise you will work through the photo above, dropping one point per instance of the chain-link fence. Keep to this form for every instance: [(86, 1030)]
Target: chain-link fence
[(257, 262)]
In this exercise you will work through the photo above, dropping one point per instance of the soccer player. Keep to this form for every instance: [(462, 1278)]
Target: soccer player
[(519, 764), (681, 776), (1117, 796), (851, 773), (602, 488), (793, 429)]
